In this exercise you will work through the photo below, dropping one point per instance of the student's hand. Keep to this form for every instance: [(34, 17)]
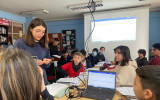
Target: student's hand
[(40, 62), (67, 77), (71, 60), (46, 61), (113, 62), (42, 85), (100, 60), (52, 58)]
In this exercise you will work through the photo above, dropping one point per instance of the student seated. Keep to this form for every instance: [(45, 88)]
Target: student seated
[(72, 53), (101, 54), (64, 58), (85, 61), (72, 69), (125, 68), (141, 60), (147, 83), (156, 53), (53, 46), (20, 77), (93, 57)]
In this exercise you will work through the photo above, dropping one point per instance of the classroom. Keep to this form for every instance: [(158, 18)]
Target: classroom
[(78, 41)]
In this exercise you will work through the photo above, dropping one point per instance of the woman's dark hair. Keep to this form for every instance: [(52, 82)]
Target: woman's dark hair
[(28, 37), (84, 53), (124, 50), (150, 78), (95, 49), (142, 51), (74, 51), (19, 76)]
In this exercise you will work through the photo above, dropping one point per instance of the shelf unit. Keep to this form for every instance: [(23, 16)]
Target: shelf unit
[(3, 34)]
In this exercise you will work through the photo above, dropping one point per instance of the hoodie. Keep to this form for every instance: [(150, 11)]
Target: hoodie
[(125, 74)]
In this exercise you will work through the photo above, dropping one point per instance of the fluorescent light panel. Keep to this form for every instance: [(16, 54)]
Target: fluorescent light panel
[(85, 6), (35, 12)]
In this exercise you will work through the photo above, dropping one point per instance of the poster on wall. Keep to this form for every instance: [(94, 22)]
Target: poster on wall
[(69, 39)]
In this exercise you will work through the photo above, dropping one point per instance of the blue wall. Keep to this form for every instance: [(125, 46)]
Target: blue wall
[(77, 24), (154, 28), (12, 17), (27, 22)]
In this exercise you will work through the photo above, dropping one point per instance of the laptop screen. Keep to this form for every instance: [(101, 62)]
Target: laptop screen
[(102, 79)]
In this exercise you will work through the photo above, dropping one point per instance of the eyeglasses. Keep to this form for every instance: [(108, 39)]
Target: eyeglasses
[(39, 31)]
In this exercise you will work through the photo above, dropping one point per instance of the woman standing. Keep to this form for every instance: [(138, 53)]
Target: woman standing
[(35, 42)]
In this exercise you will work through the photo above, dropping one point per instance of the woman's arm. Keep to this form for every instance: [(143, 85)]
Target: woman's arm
[(45, 94)]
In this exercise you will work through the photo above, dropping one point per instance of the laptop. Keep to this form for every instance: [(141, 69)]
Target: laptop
[(101, 85)]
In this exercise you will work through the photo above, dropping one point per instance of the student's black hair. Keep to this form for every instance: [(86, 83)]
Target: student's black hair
[(56, 39), (74, 51), (124, 50), (64, 51), (156, 46), (84, 53), (102, 47), (142, 51), (150, 78), (95, 49)]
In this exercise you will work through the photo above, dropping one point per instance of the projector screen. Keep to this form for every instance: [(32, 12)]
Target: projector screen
[(128, 27), (114, 29)]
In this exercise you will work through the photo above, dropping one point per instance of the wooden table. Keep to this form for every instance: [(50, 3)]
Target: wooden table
[(117, 96)]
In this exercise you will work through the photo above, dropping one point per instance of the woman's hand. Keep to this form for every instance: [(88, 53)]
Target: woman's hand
[(46, 61), (42, 85), (40, 62)]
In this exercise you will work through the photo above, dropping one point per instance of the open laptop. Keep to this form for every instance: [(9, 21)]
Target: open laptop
[(101, 85)]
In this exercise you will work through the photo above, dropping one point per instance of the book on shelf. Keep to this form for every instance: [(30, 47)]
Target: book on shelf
[(2, 30)]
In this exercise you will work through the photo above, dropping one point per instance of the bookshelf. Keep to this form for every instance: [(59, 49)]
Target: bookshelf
[(3, 34)]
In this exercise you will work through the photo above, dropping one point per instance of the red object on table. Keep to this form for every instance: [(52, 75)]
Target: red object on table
[(109, 68)]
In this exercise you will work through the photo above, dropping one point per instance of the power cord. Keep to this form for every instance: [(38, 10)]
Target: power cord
[(92, 18)]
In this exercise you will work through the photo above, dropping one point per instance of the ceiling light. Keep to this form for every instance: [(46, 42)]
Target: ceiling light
[(35, 12), (85, 6)]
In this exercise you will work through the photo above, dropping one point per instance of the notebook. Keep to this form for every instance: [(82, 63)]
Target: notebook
[(101, 85)]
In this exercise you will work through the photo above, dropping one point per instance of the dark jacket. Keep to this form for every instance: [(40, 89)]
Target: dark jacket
[(93, 60), (63, 61), (101, 57), (53, 49), (141, 62), (88, 63)]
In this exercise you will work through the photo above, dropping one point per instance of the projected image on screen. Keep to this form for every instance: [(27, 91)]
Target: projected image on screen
[(115, 29)]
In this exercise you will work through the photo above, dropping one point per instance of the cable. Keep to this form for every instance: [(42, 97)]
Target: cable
[(92, 17)]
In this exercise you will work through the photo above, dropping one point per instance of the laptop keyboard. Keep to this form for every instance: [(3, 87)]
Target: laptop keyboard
[(100, 93)]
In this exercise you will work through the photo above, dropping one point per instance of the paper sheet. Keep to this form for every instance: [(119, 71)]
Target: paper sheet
[(68, 80), (56, 89), (126, 91)]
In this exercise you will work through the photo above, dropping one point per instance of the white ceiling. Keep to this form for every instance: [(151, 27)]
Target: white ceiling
[(58, 9)]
